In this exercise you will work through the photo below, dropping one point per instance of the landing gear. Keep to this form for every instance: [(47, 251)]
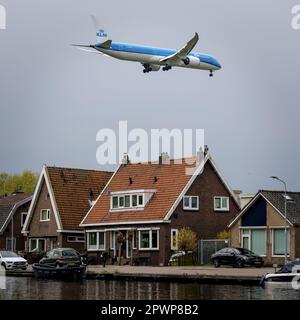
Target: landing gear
[(211, 73), (166, 68), (147, 68)]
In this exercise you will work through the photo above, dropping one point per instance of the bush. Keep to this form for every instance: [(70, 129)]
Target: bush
[(186, 240)]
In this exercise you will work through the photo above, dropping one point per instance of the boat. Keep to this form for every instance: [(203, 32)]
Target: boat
[(51, 271), (289, 273)]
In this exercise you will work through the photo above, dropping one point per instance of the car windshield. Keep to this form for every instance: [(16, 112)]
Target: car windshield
[(69, 253), (245, 251), (8, 254)]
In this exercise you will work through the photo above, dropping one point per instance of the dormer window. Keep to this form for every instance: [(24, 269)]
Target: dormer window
[(128, 200)]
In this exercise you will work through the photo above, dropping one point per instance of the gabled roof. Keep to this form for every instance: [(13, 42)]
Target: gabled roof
[(71, 192), (170, 185), (9, 204), (276, 199)]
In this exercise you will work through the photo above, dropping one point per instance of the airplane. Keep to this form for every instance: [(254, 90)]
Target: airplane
[(153, 58)]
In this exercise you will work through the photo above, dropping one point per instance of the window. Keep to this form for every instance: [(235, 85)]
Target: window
[(112, 240), (115, 202), (45, 215), (23, 218), (101, 241), (148, 240), (127, 201), (11, 245), (174, 234), (255, 240), (279, 242), (37, 245), (221, 203), (75, 239), (141, 200), (92, 240), (53, 243), (121, 202), (134, 200), (96, 241), (191, 203)]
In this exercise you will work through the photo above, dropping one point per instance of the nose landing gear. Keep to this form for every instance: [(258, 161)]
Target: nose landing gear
[(211, 73)]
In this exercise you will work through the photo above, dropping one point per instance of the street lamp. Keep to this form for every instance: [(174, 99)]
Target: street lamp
[(285, 209)]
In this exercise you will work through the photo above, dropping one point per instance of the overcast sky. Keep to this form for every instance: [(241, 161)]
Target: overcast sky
[(54, 98)]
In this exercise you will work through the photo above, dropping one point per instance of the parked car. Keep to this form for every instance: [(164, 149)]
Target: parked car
[(10, 260), (62, 257), (237, 257)]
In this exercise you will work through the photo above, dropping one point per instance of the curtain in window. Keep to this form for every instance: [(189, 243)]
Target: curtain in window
[(279, 242), (258, 241)]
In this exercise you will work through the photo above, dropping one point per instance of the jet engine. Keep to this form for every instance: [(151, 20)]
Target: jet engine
[(190, 60), (154, 67)]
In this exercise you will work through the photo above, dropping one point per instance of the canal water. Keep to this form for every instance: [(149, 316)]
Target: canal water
[(32, 289)]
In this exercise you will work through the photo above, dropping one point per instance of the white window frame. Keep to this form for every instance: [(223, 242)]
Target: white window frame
[(22, 215), (272, 240), (8, 239), (48, 215), (77, 239), (172, 238), (189, 207), (222, 208), (249, 236), (37, 240), (51, 243), (97, 241), (130, 195), (150, 240)]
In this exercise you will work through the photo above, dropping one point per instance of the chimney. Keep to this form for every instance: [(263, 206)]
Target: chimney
[(125, 159), (200, 156), (164, 158), (206, 150)]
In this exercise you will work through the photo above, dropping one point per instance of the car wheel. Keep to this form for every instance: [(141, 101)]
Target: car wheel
[(216, 263), (240, 264)]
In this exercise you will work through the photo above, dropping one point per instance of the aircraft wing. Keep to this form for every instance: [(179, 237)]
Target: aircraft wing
[(184, 51)]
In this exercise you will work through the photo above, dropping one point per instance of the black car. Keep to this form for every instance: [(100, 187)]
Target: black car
[(237, 257), (62, 257)]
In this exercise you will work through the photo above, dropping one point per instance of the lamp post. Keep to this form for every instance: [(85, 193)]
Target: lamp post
[(285, 209)]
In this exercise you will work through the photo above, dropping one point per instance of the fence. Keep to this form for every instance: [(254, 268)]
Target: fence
[(208, 247)]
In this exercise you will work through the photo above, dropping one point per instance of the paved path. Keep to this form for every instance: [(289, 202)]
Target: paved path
[(209, 271), (207, 274)]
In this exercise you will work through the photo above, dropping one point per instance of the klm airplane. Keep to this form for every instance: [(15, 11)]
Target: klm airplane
[(153, 58)]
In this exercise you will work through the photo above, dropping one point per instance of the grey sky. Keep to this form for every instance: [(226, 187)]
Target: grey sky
[(54, 98)]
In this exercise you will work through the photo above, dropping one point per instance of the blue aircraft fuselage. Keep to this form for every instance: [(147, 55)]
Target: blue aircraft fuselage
[(152, 56)]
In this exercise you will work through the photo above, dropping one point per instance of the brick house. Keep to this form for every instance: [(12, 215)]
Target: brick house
[(149, 202), (61, 199), (260, 226), (13, 212)]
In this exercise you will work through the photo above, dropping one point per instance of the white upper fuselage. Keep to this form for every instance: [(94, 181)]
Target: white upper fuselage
[(153, 56)]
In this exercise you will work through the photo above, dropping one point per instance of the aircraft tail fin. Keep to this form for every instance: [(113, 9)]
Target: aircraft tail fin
[(102, 34)]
